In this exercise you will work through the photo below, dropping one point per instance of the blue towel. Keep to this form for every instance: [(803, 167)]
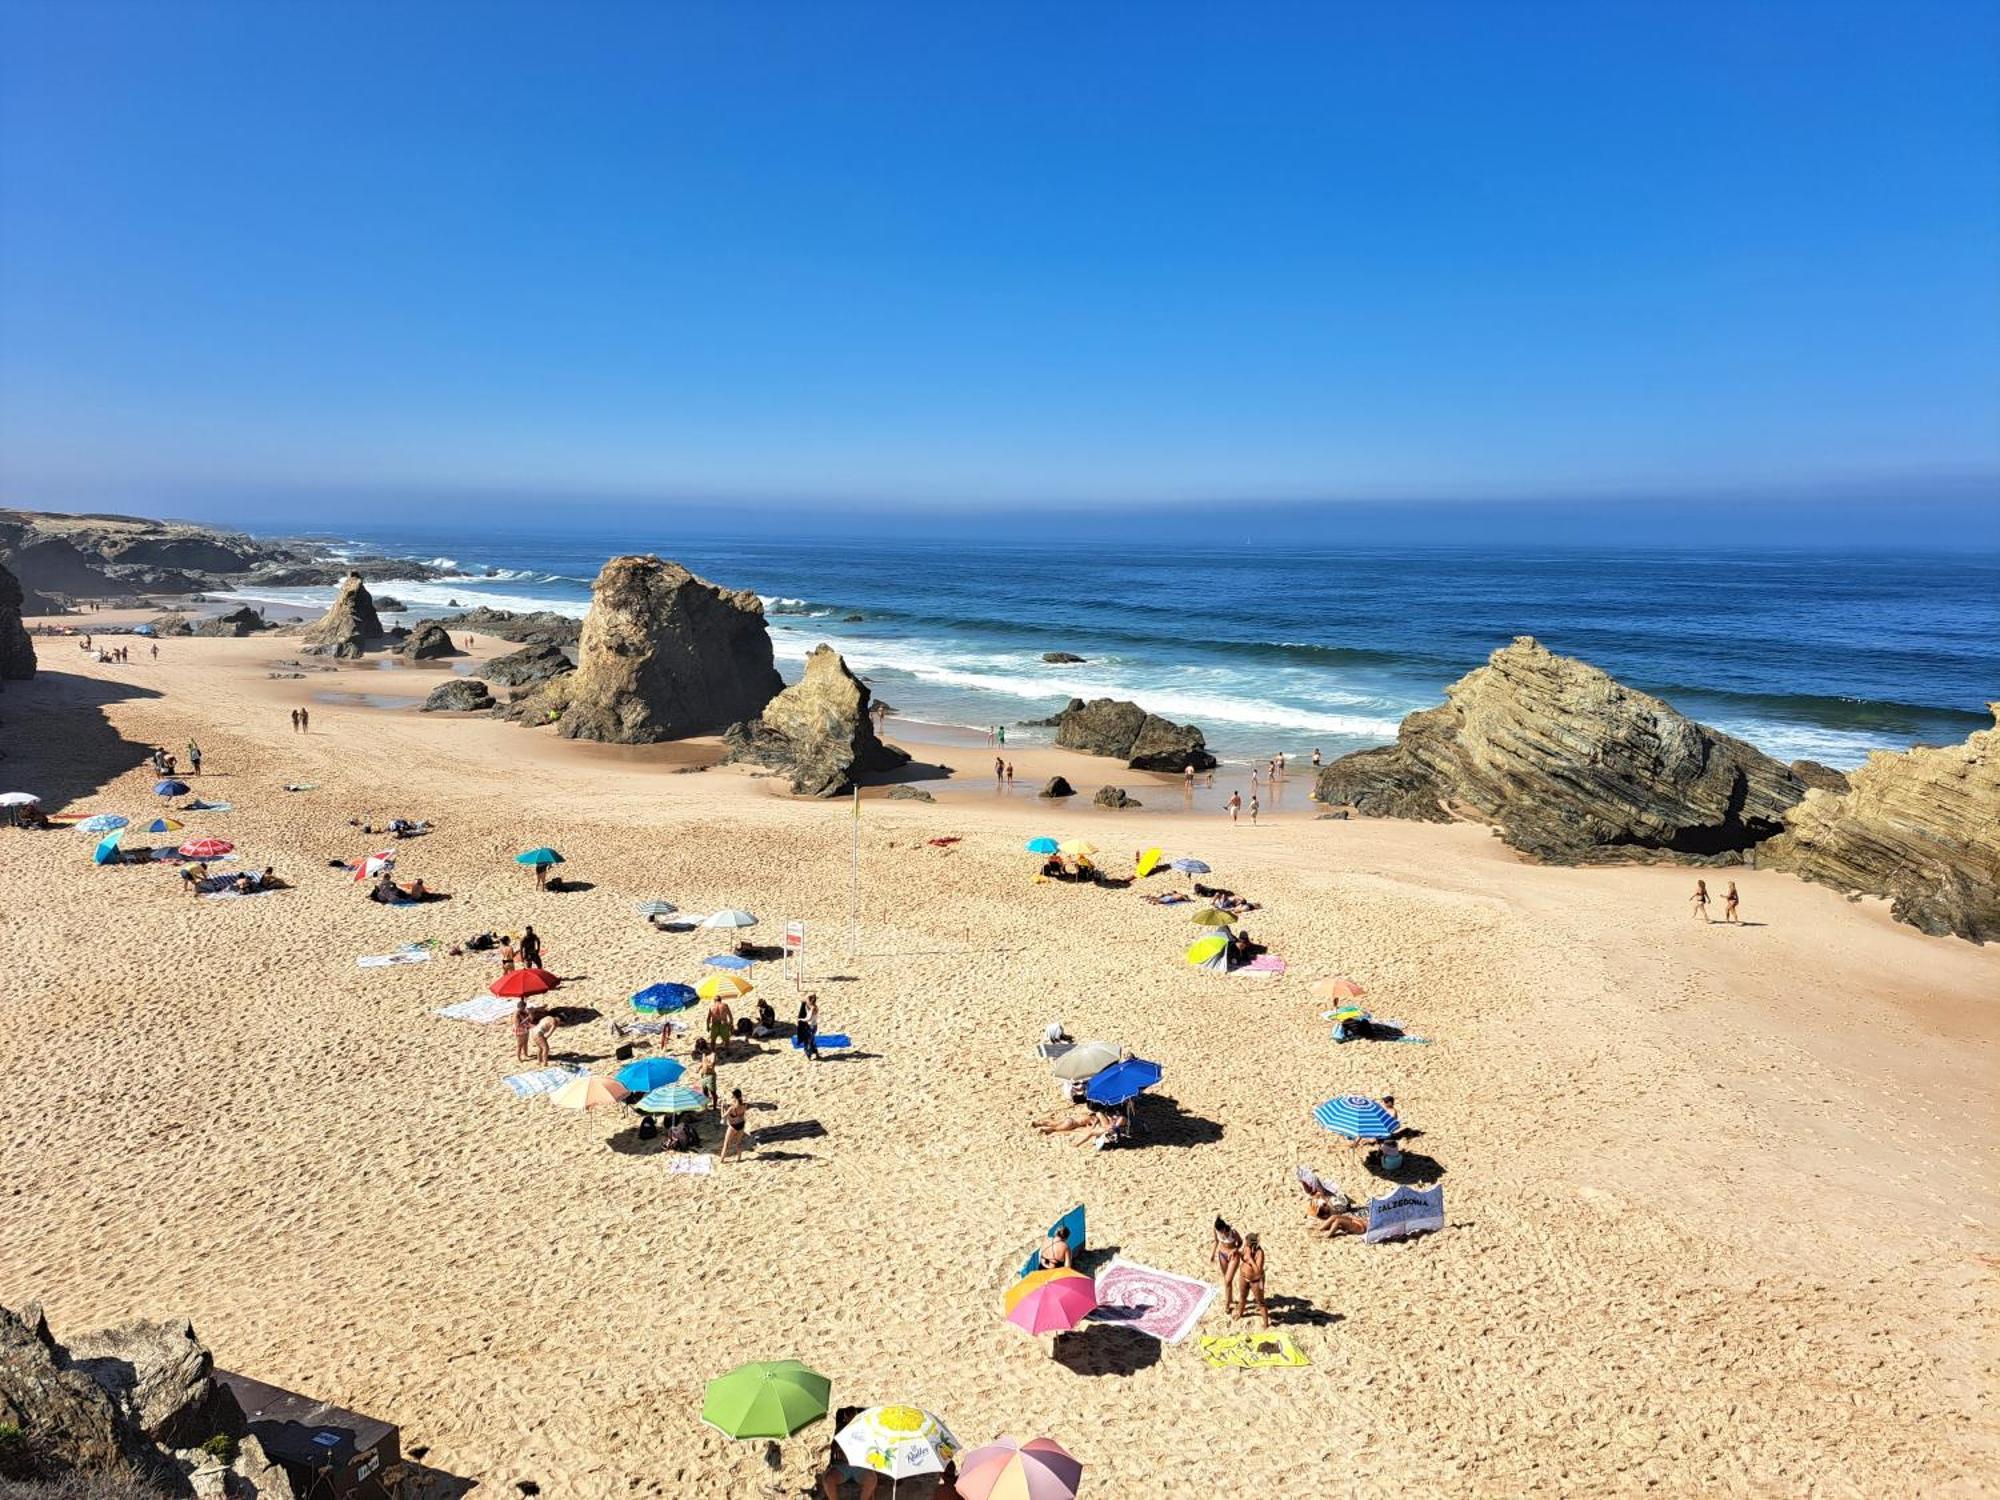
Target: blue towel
[(829, 1041)]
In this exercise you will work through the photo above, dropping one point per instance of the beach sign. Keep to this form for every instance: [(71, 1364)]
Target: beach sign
[(795, 935), (1405, 1212)]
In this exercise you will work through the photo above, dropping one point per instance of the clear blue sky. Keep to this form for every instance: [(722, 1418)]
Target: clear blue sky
[(953, 254)]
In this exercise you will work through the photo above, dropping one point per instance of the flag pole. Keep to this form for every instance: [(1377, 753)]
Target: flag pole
[(854, 886)]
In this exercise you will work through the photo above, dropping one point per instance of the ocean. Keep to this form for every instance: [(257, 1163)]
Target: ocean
[(1823, 655)]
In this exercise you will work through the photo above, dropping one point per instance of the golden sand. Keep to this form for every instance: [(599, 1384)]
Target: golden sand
[(1721, 1200)]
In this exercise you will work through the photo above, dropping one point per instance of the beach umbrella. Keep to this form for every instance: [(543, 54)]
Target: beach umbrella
[(1206, 950), (106, 852), (663, 997), (18, 799), (369, 866), (170, 788), (1007, 1469), (543, 856), (1086, 1059), (165, 825), (103, 823), (672, 1099), (1076, 846), (1357, 1117), (1050, 1301), (655, 908), (1148, 862), (1212, 916), (650, 1073), (900, 1441), (206, 848), (726, 985), (587, 1091), (726, 961), (765, 1399), (1336, 989), (730, 917), (1043, 846), (523, 983), (143, 630), (1122, 1080), (1190, 866)]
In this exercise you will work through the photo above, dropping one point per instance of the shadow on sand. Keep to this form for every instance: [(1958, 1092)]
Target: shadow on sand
[(55, 739)]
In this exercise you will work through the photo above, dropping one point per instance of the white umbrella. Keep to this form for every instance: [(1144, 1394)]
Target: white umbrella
[(730, 918), (18, 799), (1086, 1060), (655, 908)]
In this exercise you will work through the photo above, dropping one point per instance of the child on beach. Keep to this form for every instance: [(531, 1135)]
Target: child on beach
[(1729, 904), (1699, 900)]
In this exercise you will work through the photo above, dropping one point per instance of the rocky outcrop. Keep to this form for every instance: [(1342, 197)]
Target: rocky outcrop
[(1055, 786), (1114, 796), (663, 655), (905, 793), (460, 695), (1817, 777), (541, 626), (66, 1421), (820, 730), (1569, 765), (427, 641), (531, 664), (1061, 658), (350, 626), (236, 624), (17, 647), (165, 626), (386, 604), (1145, 742), (159, 1376), (1921, 827)]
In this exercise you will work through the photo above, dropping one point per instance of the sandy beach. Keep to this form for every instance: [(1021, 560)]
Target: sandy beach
[(1721, 1200)]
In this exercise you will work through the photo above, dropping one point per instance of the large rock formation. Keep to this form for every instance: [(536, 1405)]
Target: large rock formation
[(236, 624), (536, 662), (1570, 765), (1145, 742), (350, 627), (539, 626), (663, 655), (460, 695), (428, 641), (17, 647), (821, 730), (1921, 827)]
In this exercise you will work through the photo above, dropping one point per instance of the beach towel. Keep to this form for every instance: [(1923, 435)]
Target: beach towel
[(691, 1166), (542, 1081), (1157, 1303), (232, 895), (1263, 966), (481, 1010), (414, 953), (1073, 1221), (1250, 1351), (302, 786), (200, 806), (829, 1041)]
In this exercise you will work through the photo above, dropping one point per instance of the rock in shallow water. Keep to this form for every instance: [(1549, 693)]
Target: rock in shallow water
[(821, 730), (1124, 730)]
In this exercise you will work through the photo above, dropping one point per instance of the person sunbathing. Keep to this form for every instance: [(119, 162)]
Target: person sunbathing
[(1117, 1130), (1328, 1213), (1055, 1249), (1071, 1119)]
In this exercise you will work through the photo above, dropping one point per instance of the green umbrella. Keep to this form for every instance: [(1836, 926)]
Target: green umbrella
[(1212, 916), (765, 1399)]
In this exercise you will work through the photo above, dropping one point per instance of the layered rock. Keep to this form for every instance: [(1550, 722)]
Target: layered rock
[(663, 655), (1124, 730), (820, 730), (1569, 764), (236, 624), (350, 627), (531, 664), (17, 647), (428, 641), (460, 695), (537, 626), (1921, 827)]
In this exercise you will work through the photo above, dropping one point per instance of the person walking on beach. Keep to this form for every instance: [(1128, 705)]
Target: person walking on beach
[(999, 770), (194, 759), (156, 651), (531, 949), (1729, 905), (1315, 757), (805, 1031), (1235, 805), (1187, 778), (709, 1052), (1699, 900), (295, 721), (1253, 809), (733, 1119), (305, 721), (1010, 773)]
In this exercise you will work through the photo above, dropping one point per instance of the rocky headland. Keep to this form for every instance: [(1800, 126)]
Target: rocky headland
[(820, 730)]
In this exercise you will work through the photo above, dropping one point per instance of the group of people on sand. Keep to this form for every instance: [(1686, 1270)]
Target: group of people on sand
[(1239, 1262), (1730, 903), (301, 721), (164, 763)]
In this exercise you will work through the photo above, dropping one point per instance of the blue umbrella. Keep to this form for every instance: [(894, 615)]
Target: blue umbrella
[(106, 852), (543, 856), (1042, 846), (663, 997), (170, 789), (1190, 866), (674, 1099), (1357, 1118), (650, 1073), (727, 961), (103, 823), (1123, 1080)]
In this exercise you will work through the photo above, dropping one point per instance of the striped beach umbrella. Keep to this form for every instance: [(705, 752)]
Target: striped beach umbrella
[(1206, 950), (1077, 847), (673, 1099), (1357, 1117), (165, 825), (588, 1091), (1340, 988), (103, 823), (1008, 1469), (725, 985), (1050, 1301), (655, 908), (206, 848)]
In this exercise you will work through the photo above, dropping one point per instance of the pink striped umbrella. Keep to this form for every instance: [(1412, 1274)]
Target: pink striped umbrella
[(206, 848), (1008, 1469)]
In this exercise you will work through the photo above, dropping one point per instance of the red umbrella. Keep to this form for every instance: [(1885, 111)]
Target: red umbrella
[(524, 982), (206, 848)]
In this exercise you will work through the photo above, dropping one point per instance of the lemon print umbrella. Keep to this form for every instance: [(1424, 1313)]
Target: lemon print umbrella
[(900, 1441), (765, 1399)]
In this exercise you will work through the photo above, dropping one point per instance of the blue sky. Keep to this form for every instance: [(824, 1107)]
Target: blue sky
[(952, 256)]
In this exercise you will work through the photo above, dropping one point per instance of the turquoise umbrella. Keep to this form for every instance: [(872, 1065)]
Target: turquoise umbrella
[(650, 1074), (543, 856), (1042, 846)]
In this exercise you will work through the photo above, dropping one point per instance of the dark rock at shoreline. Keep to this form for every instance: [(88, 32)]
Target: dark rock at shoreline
[(542, 626), (821, 730), (169, 625), (236, 624), (903, 792), (535, 662), (1125, 731), (460, 695), (663, 655), (1921, 827), (1114, 796), (17, 647), (1569, 765), (1061, 658), (1055, 786), (853, 619), (350, 626), (428, 641), (388, 604)]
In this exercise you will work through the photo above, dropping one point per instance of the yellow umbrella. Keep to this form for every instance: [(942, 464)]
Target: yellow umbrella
[(726, 984), (1212, 916), (1201, 950), (1076, 846), (1033, 1282), (587, 1091), (1148, 862)]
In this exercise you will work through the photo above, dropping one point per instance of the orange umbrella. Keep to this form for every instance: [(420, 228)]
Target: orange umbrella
[(587, 1091), (524, 982), (1337, 989)]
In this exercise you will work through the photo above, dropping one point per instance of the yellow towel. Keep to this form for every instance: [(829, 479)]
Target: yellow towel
[(1250, 1351)]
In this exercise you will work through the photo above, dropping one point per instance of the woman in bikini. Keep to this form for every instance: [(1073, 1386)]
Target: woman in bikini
[(1227, 1245), (1055, 1249), (1250, 1280), (544, 1028), (507, 953), (732, 1124), (1699, 900), (1729, 903)]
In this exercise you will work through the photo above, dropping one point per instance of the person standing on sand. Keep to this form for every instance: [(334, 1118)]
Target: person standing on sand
[(544, 1028), (1249, 1280), (156, 651), (194, 759), (523, 1022), (541, 877), (1699, 900), (1235, 805), (721, 1022), (1253, 781), (1729, 904), (531, 949), (1253, 809), (708, 1084), (999, 770), (1187, 778), (733, 1119), (295, 721), (805, 1031), (506, 953), (305, 721), (1010, 773)]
